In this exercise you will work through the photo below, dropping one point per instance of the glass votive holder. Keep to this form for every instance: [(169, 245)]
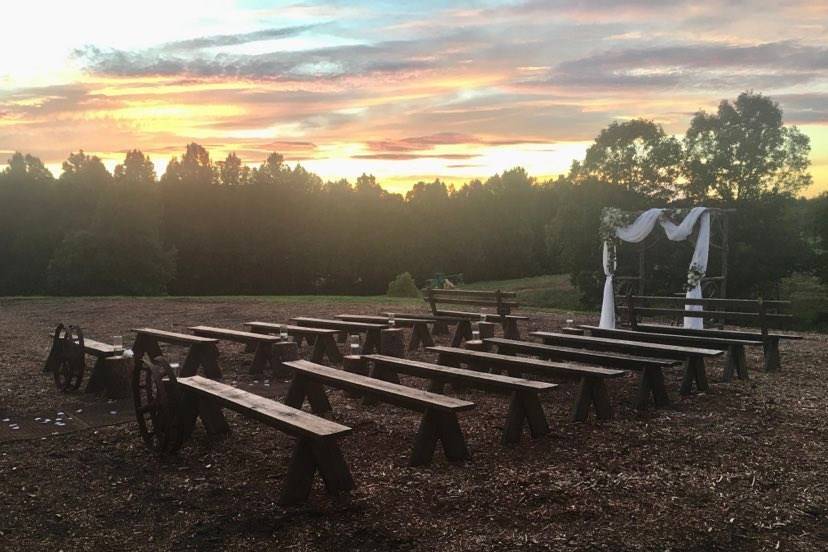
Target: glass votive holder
[(475, 335), (118, 342), (391, 319), (283, 335), (354, 349), (482, 315)]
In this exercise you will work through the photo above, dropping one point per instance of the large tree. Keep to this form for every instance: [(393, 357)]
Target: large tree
[(744, 151), (636, 155)]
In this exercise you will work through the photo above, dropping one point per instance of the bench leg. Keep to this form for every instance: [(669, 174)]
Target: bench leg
[(592, 391), (372, 342), (332, 350), (301, 387), (440, 328), (283, 353), (300, 473), (420, 336), (510, 329), (694, 371), (524, 405), (325, 346), (332, 466), (261, 358), (193, 407), (145, 345), (52, 359), (317, 398), (770, 348), (652, 382), (462, 333), (250, 347), (212, 417), (97, 380), (384, 373), (442, 426)]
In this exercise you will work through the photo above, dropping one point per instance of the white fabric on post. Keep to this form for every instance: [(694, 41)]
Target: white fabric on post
[(608, 303), (699, 260), (637, 232)]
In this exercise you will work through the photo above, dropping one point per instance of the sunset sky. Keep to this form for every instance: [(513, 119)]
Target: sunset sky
[(404, 90)]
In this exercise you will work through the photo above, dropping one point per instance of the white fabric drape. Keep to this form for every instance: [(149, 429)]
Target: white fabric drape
[(608, 303), (699, 260), (637, 232)]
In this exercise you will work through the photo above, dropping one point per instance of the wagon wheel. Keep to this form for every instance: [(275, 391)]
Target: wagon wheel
[(154, 394), (70, 363)]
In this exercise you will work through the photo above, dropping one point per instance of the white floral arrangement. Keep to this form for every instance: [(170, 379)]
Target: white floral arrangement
[(612, 219), (694, 276)]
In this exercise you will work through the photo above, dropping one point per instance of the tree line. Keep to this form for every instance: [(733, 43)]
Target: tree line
[(206, 227)]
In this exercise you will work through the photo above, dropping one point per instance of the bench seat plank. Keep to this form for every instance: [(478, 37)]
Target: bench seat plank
[(272, 326), (727, 334), (174, 337), (524, 404), (233, 335), (592, 386), (392, 393), (426, 369), (275, 414), (439, 421), (668, 339), (601, 358), (476, 315), (643, 347), (557, 368), (316, 446), (342, 325)]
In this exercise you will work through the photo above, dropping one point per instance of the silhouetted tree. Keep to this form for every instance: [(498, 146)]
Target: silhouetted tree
[(636, 155), (744, 151)]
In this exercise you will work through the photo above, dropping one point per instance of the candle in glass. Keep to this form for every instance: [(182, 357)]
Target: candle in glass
[(391, 320), (118, 342), (354, 344)]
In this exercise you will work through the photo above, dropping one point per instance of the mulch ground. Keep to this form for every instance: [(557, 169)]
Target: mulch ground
[(742, 468)]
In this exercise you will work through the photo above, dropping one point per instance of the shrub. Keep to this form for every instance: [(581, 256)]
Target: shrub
[(403, 286)]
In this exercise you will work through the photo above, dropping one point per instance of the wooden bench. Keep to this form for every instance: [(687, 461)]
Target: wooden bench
[(760, 313), (769, 341), (323, 339), (736, 359), (268, 348), (592, 387), (202, 351), (501, 301), (440, 324), (694, 356), (524, 405), (110, 372), (371, 343), (420, 334), (167, 408), (439, 421), (650, 382)]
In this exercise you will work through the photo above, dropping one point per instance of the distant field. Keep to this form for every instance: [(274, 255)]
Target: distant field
[(554, 292)]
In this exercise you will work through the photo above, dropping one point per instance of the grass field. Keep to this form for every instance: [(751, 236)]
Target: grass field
[(550, 292)]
